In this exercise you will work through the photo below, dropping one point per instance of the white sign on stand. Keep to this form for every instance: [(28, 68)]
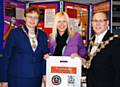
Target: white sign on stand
[(63, 71)]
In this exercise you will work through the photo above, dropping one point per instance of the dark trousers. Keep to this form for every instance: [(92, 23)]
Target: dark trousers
[(24, 82), (3, 70)]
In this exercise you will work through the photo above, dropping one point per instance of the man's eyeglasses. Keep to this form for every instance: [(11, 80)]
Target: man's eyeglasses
[(30, 17), (96, 21)]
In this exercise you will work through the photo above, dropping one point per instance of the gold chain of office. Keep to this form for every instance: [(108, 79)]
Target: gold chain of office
[(32, 38), (103, 44)]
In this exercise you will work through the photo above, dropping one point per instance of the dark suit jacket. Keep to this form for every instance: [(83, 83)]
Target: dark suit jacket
[(22, 60), (105, 66)]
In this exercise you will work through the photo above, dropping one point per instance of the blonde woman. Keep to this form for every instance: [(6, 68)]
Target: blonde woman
[(64, 41)]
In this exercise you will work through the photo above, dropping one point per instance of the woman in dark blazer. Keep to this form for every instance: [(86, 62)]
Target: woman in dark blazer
[(24, 51)]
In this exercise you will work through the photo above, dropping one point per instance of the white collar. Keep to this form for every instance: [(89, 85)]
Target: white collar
[(98, 38)]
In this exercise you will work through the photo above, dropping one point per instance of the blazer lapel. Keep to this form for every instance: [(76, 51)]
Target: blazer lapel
[(38, 46), (25, 31)]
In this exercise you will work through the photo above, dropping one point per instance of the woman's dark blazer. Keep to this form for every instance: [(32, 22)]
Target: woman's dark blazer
[(3, 77), (22, 60), (105, 66)]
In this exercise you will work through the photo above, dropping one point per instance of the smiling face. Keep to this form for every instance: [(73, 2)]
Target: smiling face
[(62, 24), (100, 23), (31, 19)]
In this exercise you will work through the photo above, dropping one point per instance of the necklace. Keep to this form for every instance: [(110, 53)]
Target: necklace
[(32, 38), (103, 44), (33, 41)]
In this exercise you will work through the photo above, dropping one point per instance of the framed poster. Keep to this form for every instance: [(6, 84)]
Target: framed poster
[(79, 19), (63, 71)]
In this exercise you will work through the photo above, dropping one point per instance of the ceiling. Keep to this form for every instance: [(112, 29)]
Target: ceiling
[(77, 1)]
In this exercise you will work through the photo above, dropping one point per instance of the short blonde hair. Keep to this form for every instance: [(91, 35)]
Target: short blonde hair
[(57, 18)]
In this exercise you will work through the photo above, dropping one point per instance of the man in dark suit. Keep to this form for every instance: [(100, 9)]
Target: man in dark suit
[(24, 51), (104, 59)]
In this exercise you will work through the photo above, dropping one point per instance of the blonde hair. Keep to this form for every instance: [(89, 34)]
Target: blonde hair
[(57, 18)]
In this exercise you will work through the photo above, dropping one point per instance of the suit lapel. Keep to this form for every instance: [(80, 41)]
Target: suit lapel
[(107, 35)]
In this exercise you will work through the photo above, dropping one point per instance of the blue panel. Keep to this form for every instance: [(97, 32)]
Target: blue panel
[(1, 25)]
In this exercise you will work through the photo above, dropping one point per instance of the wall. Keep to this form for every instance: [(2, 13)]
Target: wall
[(13, 16), (1, 24)]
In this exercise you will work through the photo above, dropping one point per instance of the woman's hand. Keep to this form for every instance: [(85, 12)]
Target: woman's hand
[(73, 55), (44, 81), (46, 56), (83, 61), (4, 84)]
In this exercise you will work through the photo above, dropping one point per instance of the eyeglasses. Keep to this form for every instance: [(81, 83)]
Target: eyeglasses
[(31, 17), (63, 21), (96, 21)]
